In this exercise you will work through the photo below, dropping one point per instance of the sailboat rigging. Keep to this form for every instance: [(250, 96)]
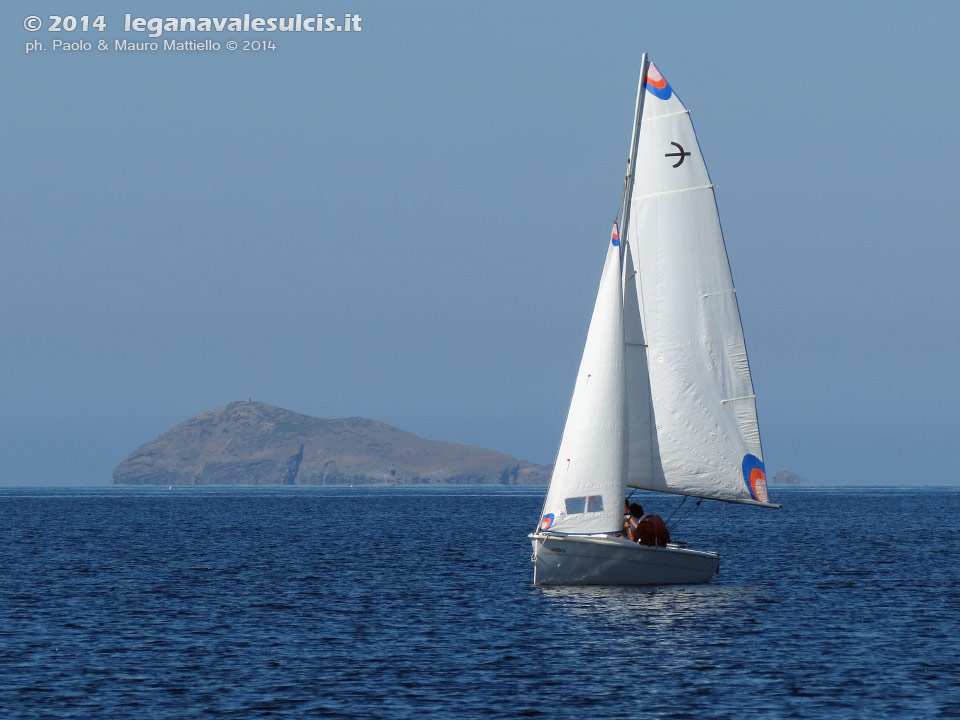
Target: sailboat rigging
[(663, 400)]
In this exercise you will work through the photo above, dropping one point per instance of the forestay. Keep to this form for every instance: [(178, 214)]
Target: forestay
[(695, 431)]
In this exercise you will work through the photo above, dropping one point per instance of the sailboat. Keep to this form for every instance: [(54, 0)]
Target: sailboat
[(663, 399)]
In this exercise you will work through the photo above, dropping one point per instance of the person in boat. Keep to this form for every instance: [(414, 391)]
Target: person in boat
[(644, 529), (651, 530), (631, 523)]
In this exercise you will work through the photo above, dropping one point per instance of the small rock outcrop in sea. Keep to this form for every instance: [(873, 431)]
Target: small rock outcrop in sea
[(250, 443), (786, 477)]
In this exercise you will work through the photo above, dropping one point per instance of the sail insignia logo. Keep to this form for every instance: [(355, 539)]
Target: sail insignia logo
[(657, 84), (754, 474), (546, 522)]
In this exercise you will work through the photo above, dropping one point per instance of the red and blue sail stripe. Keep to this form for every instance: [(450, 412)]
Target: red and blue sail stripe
[(754, 474), (657, 84), (615, 235)]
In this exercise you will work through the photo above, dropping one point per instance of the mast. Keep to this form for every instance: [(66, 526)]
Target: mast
[(632, 157)]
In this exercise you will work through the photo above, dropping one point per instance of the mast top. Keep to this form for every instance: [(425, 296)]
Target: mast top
[(632, 156)]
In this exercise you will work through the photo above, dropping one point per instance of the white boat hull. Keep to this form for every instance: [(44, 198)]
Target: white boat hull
[(608, 560)]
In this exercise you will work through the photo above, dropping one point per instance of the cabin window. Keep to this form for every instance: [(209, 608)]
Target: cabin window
[(576, 505), (591, 504)]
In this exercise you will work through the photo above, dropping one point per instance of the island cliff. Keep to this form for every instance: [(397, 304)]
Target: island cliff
[(250, 443)]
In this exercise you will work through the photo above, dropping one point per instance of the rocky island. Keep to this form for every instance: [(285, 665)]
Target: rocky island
[(251, 443), (787, 477)]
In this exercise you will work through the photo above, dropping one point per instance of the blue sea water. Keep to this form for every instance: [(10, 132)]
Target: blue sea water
[(417, 602)]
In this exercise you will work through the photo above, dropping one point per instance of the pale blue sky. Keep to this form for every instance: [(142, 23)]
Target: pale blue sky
[(408, 223)]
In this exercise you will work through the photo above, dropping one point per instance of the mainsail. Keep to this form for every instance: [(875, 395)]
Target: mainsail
[(694, 432)]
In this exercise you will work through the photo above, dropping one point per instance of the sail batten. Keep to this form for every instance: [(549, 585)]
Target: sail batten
[(672, 192), (662, 116)]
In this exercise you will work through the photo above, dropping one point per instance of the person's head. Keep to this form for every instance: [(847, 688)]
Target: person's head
[(636, 510)]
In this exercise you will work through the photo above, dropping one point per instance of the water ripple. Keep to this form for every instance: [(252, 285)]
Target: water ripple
[(403, 603)]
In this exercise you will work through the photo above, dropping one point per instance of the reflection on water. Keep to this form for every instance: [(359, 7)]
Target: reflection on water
[(653, 612)]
